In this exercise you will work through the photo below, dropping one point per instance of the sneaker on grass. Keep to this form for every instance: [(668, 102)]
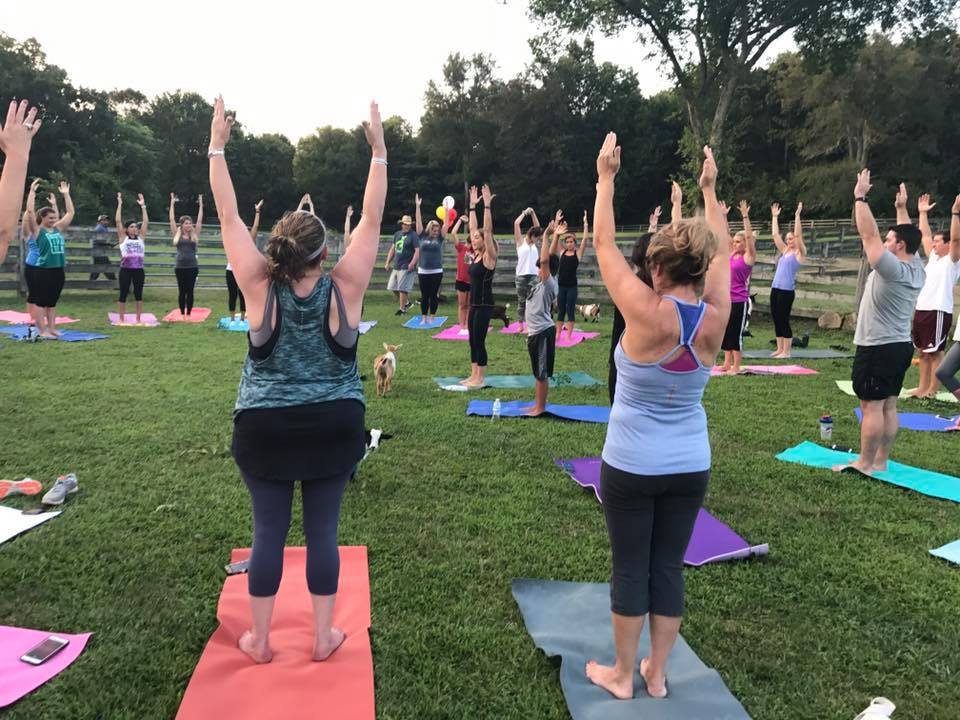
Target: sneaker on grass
[(65, 485), (27, 486)]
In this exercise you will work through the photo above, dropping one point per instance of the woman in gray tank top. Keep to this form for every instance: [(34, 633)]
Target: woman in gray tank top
[(300, 410), (186, 238)]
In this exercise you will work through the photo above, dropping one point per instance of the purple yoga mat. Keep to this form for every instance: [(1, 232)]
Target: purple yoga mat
[(146, 319), (712, 540), (451, 333)]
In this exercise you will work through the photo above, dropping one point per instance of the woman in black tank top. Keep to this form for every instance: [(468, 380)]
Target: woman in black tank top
[(485, 252), (567, 276)]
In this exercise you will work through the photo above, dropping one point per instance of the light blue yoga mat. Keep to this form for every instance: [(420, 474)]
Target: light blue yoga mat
[(571, 379), (922, 481), (366, 326), (949, 552), (572, 620), (516, 408), (920, 421), (418, 323), (227, 323)]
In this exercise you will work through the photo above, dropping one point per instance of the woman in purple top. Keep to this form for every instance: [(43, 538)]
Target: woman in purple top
[(782, 290), (743, 254), (132, 251)]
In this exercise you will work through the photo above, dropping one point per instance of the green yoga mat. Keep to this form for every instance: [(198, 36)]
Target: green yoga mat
[(846, 386), (922, 481), (571, 379)]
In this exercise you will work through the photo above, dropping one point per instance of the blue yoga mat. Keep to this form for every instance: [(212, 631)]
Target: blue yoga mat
[(922, 481), (949, 552), (226, 323), (920, 421), (572, 620), (515, 408), (19, 332), (417, 323)]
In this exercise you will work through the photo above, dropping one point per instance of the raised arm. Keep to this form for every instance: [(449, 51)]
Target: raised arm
[(775, 228), (544, 268), (654, 220), (16, 135), (533, 217), (352, 273), (586, 236), (676, 202), (456, 229), (173, 215), (472, 220), (64, 222), (346, 227), (491, 249), (716, 285), (256, 221), (30, 214), (118, 220), (52, 202), (198, 227), (144, 220), (955, 231), (417, 200), (517, 235), (798, 233), (924, 206), (866, 225), (900, 203), (750, 254)]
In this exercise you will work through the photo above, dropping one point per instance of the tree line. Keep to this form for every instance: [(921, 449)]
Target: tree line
[(794, 130)]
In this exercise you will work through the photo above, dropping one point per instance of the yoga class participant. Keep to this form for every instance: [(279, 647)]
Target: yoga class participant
[(950, 367), (132, 252), (430, 268), (743, 254), (934, 314), (16, 136), (186, 239), (541, 336), (528, 253), (783, 288), (300, 409), (404, 252), (884, 350), (346, 227), (28, 245), (567, 277), (656, 457), (49, 274), (233, 290), (462, 284), (485, 251)]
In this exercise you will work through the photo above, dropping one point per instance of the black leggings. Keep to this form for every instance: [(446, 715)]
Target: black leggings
[(131, 276), (272, 500), (478, 322), (186, 280), (650, 520), (949, 368), (234, 292), (781, 303), (429, 292)]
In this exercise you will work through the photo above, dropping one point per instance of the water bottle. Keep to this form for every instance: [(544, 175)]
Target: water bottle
[(496, 410), (826, 427)]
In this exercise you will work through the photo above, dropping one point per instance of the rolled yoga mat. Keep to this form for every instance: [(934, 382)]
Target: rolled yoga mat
[(197, 315), (809, 353), (18, 678), (921, 421), (766, 370), (712, 541), (227, 684), (846, 387), (572, 620), (130, 319), (515, 408), (418, 323), (949, 552), (925, 482), (570, 379)]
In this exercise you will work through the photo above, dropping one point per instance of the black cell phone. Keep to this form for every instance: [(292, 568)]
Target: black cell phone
[(44, 651), (237, 567)]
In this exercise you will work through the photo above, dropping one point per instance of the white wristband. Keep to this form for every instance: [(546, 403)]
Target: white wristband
[(214, 153), (379, 161)]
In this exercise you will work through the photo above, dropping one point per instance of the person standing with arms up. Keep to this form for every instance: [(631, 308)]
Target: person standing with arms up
[(950, 367), (186, 239), (793, 253), (132, 253), (570, 258), (528, 253), (743, 254), (49, 276), (485, 253)]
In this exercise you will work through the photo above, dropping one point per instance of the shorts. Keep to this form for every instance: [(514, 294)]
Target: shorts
[(878, 370), (47, 286), (930, 330), (30, 277), (401, 281), (462, 286), (542, 349)]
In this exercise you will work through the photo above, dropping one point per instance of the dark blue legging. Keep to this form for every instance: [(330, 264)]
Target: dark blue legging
[(272, 501), (566, 304)]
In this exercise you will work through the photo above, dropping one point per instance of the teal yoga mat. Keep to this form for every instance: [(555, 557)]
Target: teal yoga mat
[(922, 481), (846, 386), (571, 379)]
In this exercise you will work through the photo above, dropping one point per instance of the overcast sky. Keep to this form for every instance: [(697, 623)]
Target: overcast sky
[(289, 67)]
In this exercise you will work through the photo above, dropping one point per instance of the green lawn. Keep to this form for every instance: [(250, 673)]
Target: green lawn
[(847, 605)]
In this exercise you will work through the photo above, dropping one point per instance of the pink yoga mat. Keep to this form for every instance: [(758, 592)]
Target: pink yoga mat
[(146, 319), (18, 678), (768, 370), (511, 329), (21, 318), (451, 333), (197, 315), (578, 337)]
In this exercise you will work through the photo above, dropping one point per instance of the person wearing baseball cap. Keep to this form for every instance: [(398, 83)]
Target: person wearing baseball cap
[(100, 245), (404, 254)]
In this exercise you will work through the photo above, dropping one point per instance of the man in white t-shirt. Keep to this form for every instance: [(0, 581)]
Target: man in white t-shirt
[(950, 367), (934, 313)]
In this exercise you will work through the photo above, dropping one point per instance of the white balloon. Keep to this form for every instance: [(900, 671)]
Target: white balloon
[(449, 202)]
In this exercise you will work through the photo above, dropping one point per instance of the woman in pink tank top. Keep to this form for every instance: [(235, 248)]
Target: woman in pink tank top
[(743, 254)]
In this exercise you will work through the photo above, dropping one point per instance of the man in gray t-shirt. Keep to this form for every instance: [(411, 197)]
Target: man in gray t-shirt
[(884, 349), (541, 335)]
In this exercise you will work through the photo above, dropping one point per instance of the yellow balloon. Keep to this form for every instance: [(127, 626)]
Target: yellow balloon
[(441, 213)]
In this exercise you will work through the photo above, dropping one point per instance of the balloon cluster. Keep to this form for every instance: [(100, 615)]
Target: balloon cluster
[(446, 212)]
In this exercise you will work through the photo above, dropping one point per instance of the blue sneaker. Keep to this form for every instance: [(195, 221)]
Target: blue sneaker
[(65, 485)]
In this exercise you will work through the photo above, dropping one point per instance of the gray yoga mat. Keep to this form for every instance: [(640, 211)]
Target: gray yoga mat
[(573, 620), (811, 353)]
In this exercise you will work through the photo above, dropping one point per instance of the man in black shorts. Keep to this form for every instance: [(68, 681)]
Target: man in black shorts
[(884, 349)]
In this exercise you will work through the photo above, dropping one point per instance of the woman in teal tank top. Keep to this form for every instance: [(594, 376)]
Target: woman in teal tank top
[(48, 273), (300, 411)]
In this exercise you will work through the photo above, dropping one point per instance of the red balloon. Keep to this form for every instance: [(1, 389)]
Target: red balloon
[(451, 215)]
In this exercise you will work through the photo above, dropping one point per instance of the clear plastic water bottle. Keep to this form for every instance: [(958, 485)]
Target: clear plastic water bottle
[(495, 415)]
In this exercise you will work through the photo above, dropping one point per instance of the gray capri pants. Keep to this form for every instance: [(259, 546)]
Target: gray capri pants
[(949, 368)]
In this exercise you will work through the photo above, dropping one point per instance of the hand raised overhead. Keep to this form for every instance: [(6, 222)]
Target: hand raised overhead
[(18, 131), (608, 161), (373, 131), (220, 125), (863, 185), (923, 203), (708, 176)]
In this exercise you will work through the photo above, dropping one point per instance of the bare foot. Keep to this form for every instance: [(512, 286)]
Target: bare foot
[(325, 648), (474, 383), (915, 392), (656, 685), (725, 369), (610, 680), (736, 371), (258, 652), (784, 356), (56, 333), (47, 335), (534, 411), (857, 465), (776, 355), (467, 381)]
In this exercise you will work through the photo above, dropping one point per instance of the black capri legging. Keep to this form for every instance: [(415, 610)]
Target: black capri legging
[(781, 304), (233, 291), (429, 292), (949, 368), (478, 322), (29, 273), (733, 336), (134, 276), (186, 281), (650, 520), (272, 501)]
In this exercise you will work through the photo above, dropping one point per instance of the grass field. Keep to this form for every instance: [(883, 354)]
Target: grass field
[(848, 605)]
